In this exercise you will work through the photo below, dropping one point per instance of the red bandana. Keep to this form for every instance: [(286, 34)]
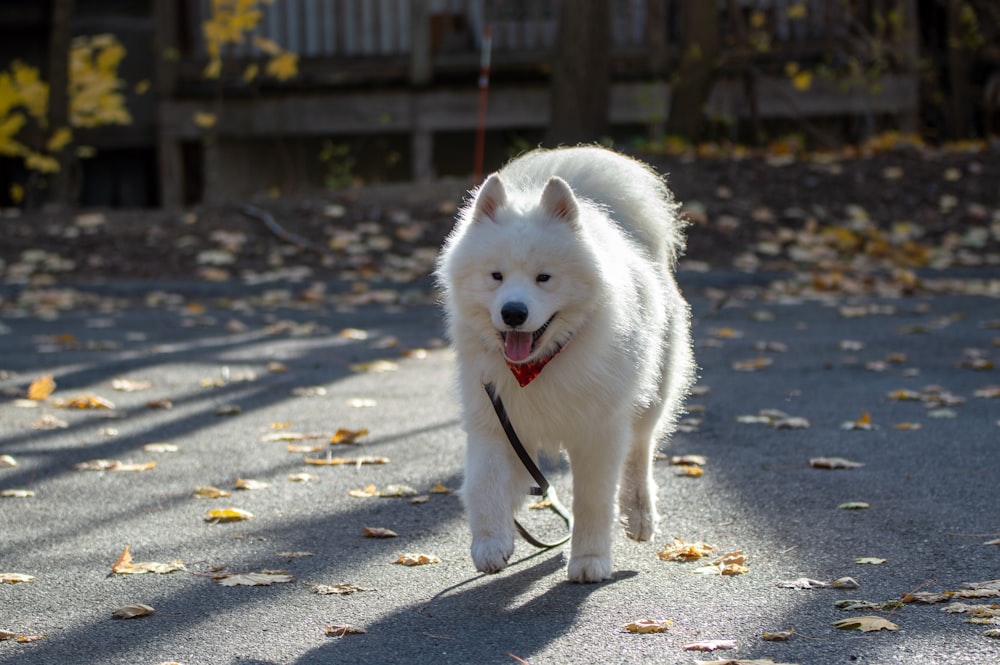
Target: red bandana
[(525, 373)]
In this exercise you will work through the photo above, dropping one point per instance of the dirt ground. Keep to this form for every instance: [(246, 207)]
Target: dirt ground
[(901, 208)]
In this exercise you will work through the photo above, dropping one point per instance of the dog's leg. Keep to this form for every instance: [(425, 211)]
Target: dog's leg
[(637, 494), (595, 473), (491, 492)]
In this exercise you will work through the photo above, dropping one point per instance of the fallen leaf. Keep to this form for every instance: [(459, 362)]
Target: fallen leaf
[(678, 550), (845, 583), (24, 638), (438, 488), (379, 532), (210, 492), (414, 559), (347, 435), (129, 385), (872, 560), (689, 471), (778, 635), (341, 630), (731, 563), (113, 465), (687, 460), (15, 578), (375, 367), (367, 492), (338, 589), (7, 461), (123, 565), (227, 515), (17, 493), (854, 505), (865, 624), (295, 555), (41, 388), (803, 583), (345, 461), (253, 579), (753, 365), (397, 491), (250, 484), (87, 401), (710, 645), (645, 626), (863, 423), (135, 611), (161, 448), (301, 477), (833, 463), (856, 605)]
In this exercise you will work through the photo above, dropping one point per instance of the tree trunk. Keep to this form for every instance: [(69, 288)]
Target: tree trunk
[(581, 77), (61, 190), (699, 60)]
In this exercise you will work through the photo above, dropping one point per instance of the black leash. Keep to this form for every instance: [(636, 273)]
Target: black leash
[(543, 489)]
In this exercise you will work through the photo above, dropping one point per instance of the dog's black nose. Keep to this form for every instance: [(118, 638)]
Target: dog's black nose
[(514, 314)]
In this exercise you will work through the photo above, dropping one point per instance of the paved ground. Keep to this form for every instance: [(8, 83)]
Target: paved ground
[(932, 491)]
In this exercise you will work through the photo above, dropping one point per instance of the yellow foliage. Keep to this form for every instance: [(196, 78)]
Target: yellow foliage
[(284, 66), (95, 97), (59, 139)]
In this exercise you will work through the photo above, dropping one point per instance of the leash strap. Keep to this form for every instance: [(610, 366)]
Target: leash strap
[(543, 488)]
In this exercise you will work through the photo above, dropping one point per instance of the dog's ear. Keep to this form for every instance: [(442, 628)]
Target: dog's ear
[(491, 197), (559, 201)]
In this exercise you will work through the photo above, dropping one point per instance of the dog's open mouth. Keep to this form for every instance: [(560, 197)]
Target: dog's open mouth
[(518, 345)]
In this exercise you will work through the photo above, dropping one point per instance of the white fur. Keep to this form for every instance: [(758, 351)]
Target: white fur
[(604, 228)]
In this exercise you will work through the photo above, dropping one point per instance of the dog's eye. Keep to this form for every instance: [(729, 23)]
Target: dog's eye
[(498, 276), (543, 277)]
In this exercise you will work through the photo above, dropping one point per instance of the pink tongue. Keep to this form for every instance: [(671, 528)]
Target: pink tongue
[(517, 345)]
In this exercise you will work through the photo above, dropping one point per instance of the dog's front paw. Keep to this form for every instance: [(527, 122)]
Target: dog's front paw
[(490, 553), (589, 569)]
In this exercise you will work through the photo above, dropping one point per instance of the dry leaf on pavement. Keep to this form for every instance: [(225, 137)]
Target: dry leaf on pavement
[(41, 388), (644, 626), (678, 550), (731, 563), (15, 578), (710, 645), (134, 611), (210, 492), (123, 565), (833, 463), (227, 515), (341, 630), (263, 578), (414, 559), (379, 532), (341, 589), (23, 638), (865, 624), (346, 436)]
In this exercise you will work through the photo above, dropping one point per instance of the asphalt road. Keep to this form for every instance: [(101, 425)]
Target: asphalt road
[(932, 491)]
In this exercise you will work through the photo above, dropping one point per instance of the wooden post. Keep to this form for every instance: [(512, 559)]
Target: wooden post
[(166, 55)]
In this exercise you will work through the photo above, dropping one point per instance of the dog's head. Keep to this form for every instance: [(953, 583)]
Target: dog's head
[(520, 268)]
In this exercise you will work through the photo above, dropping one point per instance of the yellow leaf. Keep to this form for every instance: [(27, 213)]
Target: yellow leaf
[(123, 565), (41, 388), (802, 81), (250, 73), (797, 11), (59, 139), (438, 488), (15, 578), (340, 630), (678, 550), (16, 192), (204, 119), (209, 492), (689, 471), (645, 626), (266, 45), (227, 515), (414, 559), (347, 435), (142, 87), (345, 461), (379, 532), (758, 19), (85, 401), (367, 492), (283, 66), (731, 563), (250, 484)]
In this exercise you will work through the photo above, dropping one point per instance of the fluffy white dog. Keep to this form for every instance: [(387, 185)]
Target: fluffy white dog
[(563, 260)]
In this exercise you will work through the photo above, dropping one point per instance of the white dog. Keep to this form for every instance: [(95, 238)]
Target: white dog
[(563, 260)]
